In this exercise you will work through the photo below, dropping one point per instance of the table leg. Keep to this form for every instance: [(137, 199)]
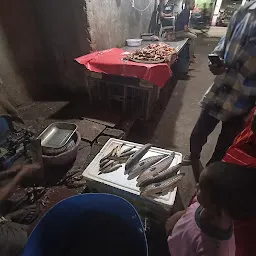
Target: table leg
[(124, 98), (88, 89)]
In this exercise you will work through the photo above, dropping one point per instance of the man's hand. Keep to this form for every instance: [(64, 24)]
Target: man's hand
[(217, 70), (27, 170)]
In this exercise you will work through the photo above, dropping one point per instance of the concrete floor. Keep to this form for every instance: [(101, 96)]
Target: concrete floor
[(213, 31), (180, 115)]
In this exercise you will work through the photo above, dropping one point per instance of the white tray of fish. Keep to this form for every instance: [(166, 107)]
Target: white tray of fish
[(118, 179)]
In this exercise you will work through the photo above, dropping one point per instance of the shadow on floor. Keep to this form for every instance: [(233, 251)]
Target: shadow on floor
[(144, 131)]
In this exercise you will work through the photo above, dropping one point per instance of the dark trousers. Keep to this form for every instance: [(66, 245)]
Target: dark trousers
[(204, 127)]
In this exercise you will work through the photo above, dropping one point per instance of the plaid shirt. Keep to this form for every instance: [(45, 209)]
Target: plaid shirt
[(233, 93)]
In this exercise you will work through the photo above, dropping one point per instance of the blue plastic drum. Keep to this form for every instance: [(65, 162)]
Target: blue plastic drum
[(89, 224)]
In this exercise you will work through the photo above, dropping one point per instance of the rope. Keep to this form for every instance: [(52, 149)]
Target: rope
[(151, 1)]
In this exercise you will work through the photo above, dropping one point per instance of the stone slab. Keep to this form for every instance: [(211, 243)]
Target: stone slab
[(106, 123), (90, 130), (115, 133), (102, 140)]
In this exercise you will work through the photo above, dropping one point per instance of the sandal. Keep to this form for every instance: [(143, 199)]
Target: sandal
[(26, 215)]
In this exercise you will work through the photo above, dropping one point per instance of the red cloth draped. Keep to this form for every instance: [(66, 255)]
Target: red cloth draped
[(112, 62), (243, 152)]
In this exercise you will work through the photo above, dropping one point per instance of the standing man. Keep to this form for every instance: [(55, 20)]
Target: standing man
[(181, 26), (233, 92), (165, 9)]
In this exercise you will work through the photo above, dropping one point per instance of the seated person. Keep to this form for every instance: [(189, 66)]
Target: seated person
[(225, 193), (181, 26), (165, 10), (13, 236)]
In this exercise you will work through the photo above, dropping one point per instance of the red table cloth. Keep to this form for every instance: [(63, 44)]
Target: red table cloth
[(112, 62)]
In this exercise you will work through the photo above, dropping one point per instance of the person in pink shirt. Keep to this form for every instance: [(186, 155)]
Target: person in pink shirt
[(225, 194)]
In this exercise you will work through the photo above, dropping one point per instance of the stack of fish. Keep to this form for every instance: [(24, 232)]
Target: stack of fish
[(155, 176), (113, 160)]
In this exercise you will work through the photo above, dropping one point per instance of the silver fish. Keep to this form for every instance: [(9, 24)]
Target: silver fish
[(118, 150), (128, 153), (134, 159), (110, 162), (112, 168), (144, 164), (103, 162), (162, 187), (119, 159), (146, 177), (109, 154), (127, 150), (166, 174)]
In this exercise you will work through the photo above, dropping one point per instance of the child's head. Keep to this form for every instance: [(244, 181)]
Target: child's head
[(228, 187)]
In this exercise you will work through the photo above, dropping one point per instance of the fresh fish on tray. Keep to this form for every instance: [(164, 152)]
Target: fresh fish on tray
[(118, 150), (166, 174), (144, 164), (119, 159), (129, 153), (111, 153), (110, 162), (113, 160), (104, 162), (162, 187), (134, 159), (127, 150), (146, 177), (111, 167)]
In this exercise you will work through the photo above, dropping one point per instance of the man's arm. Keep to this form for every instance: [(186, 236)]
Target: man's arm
[(168, 15), (25, 171), (161, 10), (220, 48), (9, 189), (186, 14)]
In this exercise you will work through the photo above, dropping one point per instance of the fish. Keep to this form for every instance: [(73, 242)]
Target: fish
[(118, 150), (166, 174), (103, 162), (115, 166), (162, 187), (134, 159), (110, 162), (109, 154), (128, 153), (127, 150), (146, 177), (144, 164), (119, 159)]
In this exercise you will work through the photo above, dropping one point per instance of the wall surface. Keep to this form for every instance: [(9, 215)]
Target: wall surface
[(26, 68), (111, 22), (63, 28), (40, 39), (11, 82)]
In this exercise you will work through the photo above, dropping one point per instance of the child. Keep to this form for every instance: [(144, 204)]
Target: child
[(225, 193)]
